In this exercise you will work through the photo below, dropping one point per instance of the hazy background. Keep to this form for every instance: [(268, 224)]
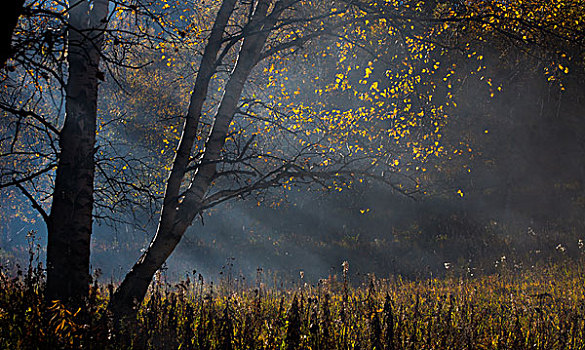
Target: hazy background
[(510, 192)]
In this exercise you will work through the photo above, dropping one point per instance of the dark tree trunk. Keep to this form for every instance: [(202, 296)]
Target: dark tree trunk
[(13, 9), (70, 221), (177, 217)]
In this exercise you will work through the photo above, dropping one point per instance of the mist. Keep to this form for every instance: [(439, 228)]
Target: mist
[(508, 184)]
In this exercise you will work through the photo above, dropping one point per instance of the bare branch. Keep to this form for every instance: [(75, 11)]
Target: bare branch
[(36, 205)]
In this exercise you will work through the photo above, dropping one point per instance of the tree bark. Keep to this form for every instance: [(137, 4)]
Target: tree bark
[(13, 10), (177, 217), (70, 220)]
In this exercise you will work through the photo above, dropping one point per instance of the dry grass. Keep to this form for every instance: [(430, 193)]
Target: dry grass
[(540, 308)]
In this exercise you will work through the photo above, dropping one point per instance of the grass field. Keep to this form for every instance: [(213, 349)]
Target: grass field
[(538, 308)]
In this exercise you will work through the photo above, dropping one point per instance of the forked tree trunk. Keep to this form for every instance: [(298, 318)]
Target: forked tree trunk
[(176, 217), (13, 9), (70, 220)]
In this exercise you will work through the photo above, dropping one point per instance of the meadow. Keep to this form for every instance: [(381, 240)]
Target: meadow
[(541, 307)]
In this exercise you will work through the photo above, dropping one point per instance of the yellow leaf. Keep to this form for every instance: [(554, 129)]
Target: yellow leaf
[(368, 72)]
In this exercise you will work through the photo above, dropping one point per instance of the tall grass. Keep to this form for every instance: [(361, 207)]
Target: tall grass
[(515, 309)]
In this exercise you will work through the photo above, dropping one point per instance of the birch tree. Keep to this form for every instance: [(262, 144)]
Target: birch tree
[(179, 211), (70, 221)]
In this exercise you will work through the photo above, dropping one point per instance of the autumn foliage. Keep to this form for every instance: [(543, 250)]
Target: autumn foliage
[(202, 103)]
